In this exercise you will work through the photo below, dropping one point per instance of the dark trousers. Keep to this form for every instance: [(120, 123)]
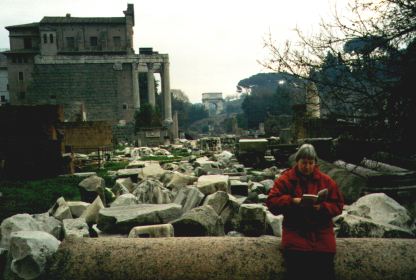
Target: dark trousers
[(309, 265)]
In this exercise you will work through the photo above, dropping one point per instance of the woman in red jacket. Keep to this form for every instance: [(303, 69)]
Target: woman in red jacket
[(308, 239)]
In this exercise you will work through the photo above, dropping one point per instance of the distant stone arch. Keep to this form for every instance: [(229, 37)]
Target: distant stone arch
[(213, 102)]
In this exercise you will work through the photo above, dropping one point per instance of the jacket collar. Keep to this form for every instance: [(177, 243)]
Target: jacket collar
[(293, 173)]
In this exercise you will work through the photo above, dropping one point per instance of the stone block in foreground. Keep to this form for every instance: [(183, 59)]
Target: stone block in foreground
[(121, 219)]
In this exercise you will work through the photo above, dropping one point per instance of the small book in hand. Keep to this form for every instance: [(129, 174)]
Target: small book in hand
[(311, 199)]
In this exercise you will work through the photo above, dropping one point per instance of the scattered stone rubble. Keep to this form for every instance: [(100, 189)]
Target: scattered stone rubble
[(201, 196)]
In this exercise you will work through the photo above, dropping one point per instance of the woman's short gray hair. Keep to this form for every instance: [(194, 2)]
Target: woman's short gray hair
[(306, 151)]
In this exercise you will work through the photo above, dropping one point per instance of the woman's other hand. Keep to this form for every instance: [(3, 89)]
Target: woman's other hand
[(297, 200)]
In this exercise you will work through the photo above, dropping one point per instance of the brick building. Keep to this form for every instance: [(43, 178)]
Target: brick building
[(86, 63)]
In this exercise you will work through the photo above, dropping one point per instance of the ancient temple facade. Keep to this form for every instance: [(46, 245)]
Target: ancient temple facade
[(86, 64)]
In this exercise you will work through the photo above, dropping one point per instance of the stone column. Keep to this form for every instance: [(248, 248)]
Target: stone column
[(166, 94), (219, 258), (136, 88), (313, 106), (175, 132), (151, 84)]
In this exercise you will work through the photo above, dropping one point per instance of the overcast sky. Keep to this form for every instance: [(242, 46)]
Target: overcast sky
[(212, 44)]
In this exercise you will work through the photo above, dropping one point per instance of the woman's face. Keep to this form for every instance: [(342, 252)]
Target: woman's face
[(306, 166)]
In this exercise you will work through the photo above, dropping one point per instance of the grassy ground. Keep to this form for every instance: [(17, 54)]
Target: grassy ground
[(35, 196)]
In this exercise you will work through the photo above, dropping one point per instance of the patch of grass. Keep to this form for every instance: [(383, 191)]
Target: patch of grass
[(162, 159), (35, 196), (115, 165), (103, 171), (180, 153)]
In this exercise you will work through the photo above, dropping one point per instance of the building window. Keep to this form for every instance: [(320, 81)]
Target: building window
[(51, 38), (125, 106), (22, 95), (3, 98), (53, 96), (14, 59), (70, 43), (24, 59), (117, 42), (19, 59), (93, 41), (8, 87), (20, 76), (27, 43), (45, 39)]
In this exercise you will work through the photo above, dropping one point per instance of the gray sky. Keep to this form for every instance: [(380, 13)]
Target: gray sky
[(211, 44)]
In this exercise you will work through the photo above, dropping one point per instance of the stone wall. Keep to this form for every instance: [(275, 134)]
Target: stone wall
[(83, 136), (124, 133), (103, 89), (151, 137), (16, 86)]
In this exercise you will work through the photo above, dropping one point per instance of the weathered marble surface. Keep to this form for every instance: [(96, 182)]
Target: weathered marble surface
[(225, 258)]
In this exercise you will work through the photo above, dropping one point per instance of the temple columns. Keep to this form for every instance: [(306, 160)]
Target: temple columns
[(136, 89), (175, 128), (151, 85), (167, 101)]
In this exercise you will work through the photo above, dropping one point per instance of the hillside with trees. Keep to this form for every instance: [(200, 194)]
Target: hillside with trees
[(268, 96), (262, 98)]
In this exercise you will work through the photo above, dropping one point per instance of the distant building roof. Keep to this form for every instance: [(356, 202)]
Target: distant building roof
[(27, 25), (82, 20)]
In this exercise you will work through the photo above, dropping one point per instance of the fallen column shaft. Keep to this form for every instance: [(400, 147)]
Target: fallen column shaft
[(221, 258)]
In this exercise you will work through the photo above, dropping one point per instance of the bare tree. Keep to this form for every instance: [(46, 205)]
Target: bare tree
[(356, 61)]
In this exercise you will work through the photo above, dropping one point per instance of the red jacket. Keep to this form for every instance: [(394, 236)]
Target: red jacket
[(304, 228)]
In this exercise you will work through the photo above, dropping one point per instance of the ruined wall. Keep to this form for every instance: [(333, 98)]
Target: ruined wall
[(30, 145), (326, 128), (82, 136), (151, 137), (105, 90), (305, 127), (124, 133)]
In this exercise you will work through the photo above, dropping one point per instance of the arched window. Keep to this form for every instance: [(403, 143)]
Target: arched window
[(45, 39), (51, 38)]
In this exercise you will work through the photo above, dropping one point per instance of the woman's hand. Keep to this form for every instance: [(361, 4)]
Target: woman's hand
[(296, 200), (317, 207)]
